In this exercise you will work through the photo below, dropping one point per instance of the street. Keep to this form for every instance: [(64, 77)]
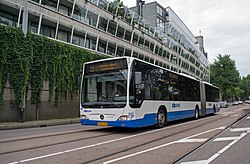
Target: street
[(220, 138)]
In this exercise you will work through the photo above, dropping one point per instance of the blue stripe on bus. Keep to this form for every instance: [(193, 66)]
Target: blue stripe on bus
[(172, 116), (148, 119)]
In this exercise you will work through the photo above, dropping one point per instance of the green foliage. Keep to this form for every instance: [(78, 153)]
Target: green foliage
[(28, 62), (245, 86), (225, 75)]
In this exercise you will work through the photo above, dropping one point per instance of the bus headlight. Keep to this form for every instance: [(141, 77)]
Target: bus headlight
[(84, 117), (125, 117)]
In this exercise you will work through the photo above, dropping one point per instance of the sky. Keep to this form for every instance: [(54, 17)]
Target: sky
[(224, 25)]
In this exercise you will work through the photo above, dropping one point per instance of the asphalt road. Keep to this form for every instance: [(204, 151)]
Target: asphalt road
[(221, 138)]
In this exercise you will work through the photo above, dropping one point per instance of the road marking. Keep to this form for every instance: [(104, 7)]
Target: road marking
[(105, 142), (248, 117), (220, 151), (157, 147), (240, 129), (225, 138), (226, 147), (196, 162), (192, 140), (49, 155)]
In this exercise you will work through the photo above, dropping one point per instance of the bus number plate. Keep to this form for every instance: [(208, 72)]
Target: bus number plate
[(102, 124)]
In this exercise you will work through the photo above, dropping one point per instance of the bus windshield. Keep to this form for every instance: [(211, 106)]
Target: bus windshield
[(105, 90)]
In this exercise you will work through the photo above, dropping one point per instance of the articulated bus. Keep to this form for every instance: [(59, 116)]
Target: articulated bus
[(128, 92)]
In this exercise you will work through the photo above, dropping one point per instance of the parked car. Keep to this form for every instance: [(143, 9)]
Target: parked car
[(247, 101), (235, 103), (223, 104), (240, 102)]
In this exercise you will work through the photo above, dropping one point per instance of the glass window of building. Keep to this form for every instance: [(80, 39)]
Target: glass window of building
[(94, 1), (127, 52), (128, 15), (52, 4), (80, 12), (192, 69), (141, 42), (33, 23), (92, 18), (156, 62), (112, 27), (173, 59), (197, 72), (156, 50), (48, 27), (151, 32), (63, 36), (102, 44), (159, 23), (128, 35), (141, 56), (64, 33), (65, 7), (103, 4), (103, 22), (161, 52), (120, 51), (9, 16), (135, 54), (160, 11), (146, 45), (191, 59), (151, 60), (78, 37), (90, 42), (120, 32), (135, 39), (111, 48), (152, 47), (146, 58)]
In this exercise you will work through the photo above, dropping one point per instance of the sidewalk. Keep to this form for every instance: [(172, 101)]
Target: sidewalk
[(39, 123)]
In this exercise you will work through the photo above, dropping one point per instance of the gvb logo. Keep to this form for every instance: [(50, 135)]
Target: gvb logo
[(176, 105)]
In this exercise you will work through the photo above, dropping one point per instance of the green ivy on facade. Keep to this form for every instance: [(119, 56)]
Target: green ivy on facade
[(27, 62)]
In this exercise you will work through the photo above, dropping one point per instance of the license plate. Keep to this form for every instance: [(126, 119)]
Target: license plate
[(102, 124)]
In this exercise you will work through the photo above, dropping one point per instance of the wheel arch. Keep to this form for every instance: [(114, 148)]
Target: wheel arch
[(163, 107)]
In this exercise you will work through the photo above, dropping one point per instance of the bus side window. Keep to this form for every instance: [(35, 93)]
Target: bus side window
[(139, 87)]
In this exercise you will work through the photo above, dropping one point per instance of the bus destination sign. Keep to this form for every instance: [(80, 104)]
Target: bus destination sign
[(106, 66)]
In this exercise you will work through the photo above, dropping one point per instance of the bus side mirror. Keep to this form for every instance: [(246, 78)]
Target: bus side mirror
[(137, 77)]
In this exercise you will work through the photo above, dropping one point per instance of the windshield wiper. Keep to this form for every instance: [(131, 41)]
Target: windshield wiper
[(103, 105)]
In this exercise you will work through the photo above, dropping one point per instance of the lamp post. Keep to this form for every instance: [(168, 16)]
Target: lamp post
[(25, 18), (24, 29)]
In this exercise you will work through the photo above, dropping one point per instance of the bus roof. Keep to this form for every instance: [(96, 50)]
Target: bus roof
[(133, 58)]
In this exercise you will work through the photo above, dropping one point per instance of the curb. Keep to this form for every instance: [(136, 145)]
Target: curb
[(39, 123)]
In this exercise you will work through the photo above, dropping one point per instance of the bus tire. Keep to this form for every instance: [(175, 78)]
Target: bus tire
[(196, 113), (161, 118)]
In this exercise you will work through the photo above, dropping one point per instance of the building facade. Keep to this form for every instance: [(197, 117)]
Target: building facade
[(112, 29)]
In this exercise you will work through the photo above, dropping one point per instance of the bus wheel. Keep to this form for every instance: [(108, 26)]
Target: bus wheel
[(161, 118), (196, 113)]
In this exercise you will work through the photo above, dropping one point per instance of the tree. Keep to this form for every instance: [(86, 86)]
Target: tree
[(245, 86), (224, 74)]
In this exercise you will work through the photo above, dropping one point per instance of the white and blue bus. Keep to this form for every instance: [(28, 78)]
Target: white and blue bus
[(128, 92)]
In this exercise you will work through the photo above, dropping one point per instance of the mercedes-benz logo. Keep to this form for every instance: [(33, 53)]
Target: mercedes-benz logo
[(101, 117)]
